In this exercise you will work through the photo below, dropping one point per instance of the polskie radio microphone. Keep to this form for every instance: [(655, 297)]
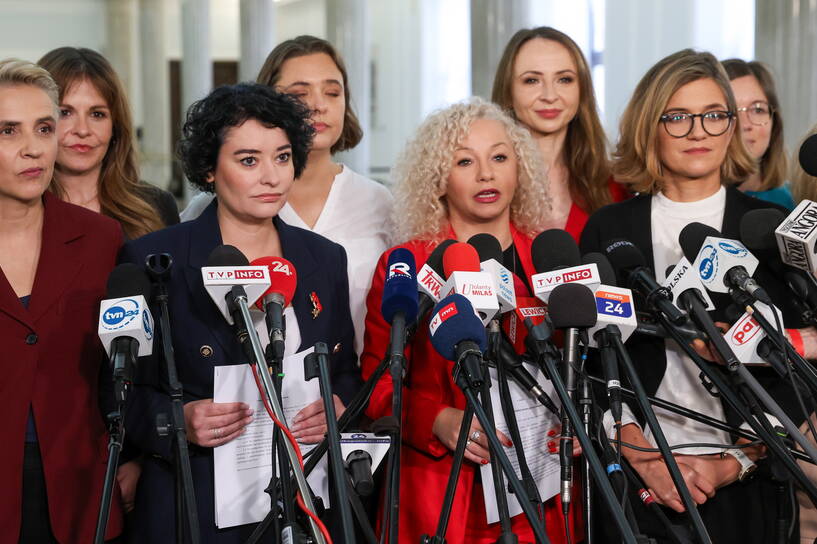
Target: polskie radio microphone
[(125, 323), (399, 304), (431, 278), (228, 274), (458, 335), (556, 260), (490, 261), (631, 270), (572, 308), (283, 281), (745, 335), (462, 268), (614, 305), (797, 237), (722, 264), (808, 155)]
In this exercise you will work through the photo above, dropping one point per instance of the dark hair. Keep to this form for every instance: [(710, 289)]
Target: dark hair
[(301, 46), (121, 195), (773, 163), (230, 106)]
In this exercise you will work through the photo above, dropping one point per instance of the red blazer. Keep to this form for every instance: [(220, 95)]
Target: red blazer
[(50, 361), (578, 216), (426, 462)]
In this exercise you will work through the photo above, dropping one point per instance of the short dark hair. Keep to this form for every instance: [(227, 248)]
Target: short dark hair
[(230, 106)]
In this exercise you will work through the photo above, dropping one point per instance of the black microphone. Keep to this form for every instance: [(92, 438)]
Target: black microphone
[(647, 326), (554, 249), (360, 467), (808, 155), (513, 363), (631, 269), (735, 276), (572, 307)]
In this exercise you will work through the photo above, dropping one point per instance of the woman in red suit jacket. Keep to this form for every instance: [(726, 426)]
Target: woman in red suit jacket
[(468, 170), (544, 82), (54, 263)]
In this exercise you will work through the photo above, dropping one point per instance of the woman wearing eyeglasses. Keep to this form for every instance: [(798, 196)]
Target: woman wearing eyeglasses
[(679, 149), (761, 127)]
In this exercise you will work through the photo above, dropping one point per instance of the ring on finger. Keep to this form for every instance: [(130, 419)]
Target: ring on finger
[(217, 432), (475, 435), (468, 442)]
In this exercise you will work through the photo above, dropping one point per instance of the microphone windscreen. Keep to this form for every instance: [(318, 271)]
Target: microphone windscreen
[(572, 305), (128, 280), (808, 155), (460, 257), (733, 313), (757, 229), (553, 249), (226, 255), (692, 239), (400, 288), (453, 320), (606, 274), (435, 260), (283, 278), (623, 256), (487, 246)]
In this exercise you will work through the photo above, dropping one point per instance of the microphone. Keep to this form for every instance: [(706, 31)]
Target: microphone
[(461, 265), (745, 335), (614, 305), (808, 155), (556, 260), (431, 278), (648, 327), (399, 305), (797, 237), (490, 257), (228, 275), (513, 363), (722, 264), (458, 335), (125, 323), (631, 269), (572, 308), (283, 280)]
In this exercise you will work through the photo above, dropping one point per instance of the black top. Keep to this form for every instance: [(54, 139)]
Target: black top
[(162, 201)]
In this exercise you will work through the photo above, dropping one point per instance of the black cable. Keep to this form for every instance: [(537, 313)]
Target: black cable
[(691, 445)]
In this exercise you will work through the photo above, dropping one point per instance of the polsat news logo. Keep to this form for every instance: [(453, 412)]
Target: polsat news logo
[(237, 274)]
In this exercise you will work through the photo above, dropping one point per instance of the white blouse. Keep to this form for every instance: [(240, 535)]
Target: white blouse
[(356, 215)]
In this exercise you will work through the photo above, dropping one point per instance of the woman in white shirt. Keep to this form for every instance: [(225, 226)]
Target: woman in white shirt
[(328, 198)]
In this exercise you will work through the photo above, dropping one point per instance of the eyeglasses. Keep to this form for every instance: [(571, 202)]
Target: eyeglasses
[(759, 113), (714, 123)]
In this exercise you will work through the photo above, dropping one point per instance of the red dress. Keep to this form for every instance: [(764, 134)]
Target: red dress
[(577, 218), (426, 462)]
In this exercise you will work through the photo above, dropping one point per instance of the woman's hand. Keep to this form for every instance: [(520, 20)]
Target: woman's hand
[(309, 425), (210, 424), (719, 471), (554, 435), (127, 475), (707, 350), (447, 429), (656, 477)]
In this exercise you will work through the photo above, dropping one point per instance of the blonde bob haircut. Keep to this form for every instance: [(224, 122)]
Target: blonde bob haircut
[(21, 72), (420, 175), (635, 160)]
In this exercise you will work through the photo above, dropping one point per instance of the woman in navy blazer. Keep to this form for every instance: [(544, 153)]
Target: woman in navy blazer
[(247, 143)]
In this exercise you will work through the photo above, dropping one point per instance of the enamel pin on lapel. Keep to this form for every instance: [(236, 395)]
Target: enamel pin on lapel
[(316, 304)]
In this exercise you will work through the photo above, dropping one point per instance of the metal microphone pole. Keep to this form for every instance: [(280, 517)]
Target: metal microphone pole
[(158, 267)]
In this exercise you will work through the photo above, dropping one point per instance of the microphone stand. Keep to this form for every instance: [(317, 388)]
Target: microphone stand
[(539, 342), (611, 336), (586, 403), (158, 267), (316, 364), (397, 362), (248, 337)]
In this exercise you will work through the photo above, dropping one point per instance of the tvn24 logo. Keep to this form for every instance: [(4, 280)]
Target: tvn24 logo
[(123, 313)]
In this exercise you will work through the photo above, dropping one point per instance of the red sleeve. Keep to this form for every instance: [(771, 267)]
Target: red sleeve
[(426, 388), (618, 191)]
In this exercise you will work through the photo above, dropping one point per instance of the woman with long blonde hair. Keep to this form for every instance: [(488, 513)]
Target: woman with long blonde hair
[(544, 82), (97, 164), (468, 169)]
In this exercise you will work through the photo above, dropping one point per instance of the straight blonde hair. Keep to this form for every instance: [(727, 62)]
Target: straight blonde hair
[(21, 72), (635, 160)]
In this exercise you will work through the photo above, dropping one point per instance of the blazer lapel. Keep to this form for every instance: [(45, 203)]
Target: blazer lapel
[(204, 235), (308, 307), (58, 265), (641, 227)]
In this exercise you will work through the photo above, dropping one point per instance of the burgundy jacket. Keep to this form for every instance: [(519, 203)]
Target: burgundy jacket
[(50, 359)]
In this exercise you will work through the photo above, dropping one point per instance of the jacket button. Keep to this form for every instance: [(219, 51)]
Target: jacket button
[(31, 339)]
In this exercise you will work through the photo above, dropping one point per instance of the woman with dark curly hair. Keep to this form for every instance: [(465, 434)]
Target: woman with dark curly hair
[(247, 143)]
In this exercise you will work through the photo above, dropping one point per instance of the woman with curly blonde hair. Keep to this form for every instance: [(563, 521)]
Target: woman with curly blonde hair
[(469, 169)]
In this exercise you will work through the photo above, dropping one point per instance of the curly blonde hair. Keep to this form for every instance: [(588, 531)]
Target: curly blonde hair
[(420, 175)]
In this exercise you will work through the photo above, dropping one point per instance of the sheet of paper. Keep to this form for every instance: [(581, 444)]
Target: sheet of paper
[(242, 466), (534, 422)]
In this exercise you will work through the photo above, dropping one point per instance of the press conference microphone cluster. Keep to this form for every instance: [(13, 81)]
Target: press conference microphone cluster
[(126, 324)]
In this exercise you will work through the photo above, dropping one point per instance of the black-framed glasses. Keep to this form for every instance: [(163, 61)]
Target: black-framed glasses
[(679, 124), (758, 113)]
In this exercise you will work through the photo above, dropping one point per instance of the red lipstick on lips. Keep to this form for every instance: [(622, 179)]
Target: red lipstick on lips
[(550, 113), (320, 127), (487, 196)]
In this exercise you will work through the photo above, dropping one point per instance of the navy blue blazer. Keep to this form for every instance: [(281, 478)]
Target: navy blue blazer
[(196, 326)]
